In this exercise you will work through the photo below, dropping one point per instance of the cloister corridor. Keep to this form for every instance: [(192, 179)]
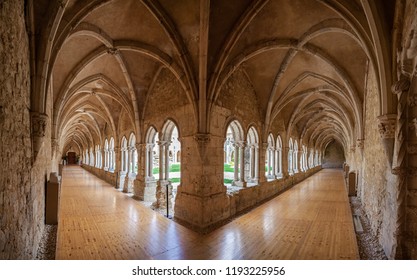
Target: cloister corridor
[(312, 220)]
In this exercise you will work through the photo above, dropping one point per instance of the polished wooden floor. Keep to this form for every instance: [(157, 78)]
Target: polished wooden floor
[(310, 221)]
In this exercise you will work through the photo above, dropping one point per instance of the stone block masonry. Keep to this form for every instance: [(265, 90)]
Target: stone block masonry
[(21, 203)]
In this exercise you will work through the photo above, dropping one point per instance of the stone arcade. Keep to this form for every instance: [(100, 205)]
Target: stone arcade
[(274, 90)]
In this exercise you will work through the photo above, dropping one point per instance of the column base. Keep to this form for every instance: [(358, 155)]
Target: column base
[(161, 195), (121, 182), (144, 191), (128, 185), (239, 184)]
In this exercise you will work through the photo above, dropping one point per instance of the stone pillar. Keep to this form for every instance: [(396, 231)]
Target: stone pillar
[(161, 160), (126, 187), (285, 153), (39, 122), (252, 161), (122, 172), (242, 180), (386, 126), (163, 183), (167, 160), (201, 200), (401, 88), (256, 161), (236, 163)]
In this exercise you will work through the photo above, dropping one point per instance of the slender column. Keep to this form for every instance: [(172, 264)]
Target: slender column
[(242, 161), (148, 160), (236, 162), (167, 160), (256, 149), (161, 160), (252, 162), (147, 173)]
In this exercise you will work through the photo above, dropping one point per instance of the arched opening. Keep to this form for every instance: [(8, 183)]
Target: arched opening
[(278, 155), (169, 168), (252, 156), (270, 158), (151, 155), (234, 148)]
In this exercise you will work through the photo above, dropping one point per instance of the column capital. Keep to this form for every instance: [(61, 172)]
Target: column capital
[(386, 126), (39, 123), (360, 143), (240, 144), (412, 149), (402, 85)]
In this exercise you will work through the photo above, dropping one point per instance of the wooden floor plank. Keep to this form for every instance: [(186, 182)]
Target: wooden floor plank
[(310, 221)]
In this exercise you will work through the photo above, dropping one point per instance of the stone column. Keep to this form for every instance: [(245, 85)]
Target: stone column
[(39, 122), (122, 172), (167, 160), (201, 199), (127, 186), (256, 147), (242, 180), (236, 163), (285, 172), (163, 183), (399, 167), (386, 126), (252, 161)]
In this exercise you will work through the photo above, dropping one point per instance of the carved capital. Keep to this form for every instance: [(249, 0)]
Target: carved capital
[(39, 123), (386, 126), (412, 171), (113, 51), (413, 125), (412, 149), (412, 100), (202, 138), (412, 49), (399, 171), (141, 147), (403, 85), (353, 149), (360, 143), (240, 144)]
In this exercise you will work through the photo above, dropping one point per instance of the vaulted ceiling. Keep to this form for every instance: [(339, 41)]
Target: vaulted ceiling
[(307, 61)]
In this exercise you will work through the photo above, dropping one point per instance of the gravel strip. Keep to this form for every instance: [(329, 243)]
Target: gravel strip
[(47, 246), (369, 247)]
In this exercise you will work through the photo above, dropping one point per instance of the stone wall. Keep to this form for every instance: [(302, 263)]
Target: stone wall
[(21, 186), (376, 180), (333, 156), (167, 100)]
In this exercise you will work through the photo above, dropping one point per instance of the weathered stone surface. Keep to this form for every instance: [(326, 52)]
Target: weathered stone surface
[(21, 185)]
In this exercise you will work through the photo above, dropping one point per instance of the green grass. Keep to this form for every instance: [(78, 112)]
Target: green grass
[(176, 167), (228, 168), (175, 180), (228, 181)]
